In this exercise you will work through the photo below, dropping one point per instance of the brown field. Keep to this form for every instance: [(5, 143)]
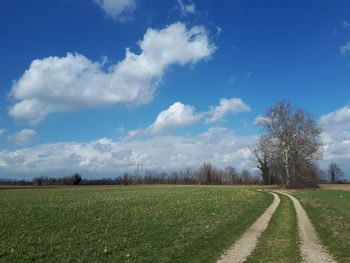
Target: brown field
[(335, 186)]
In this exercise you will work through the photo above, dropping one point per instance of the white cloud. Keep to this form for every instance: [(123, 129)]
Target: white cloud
[(2, 131), (219, 146), (179, 115), (176, 116), (345, 49), (260, 120), (117, 9), (226, 106), (336, 137), (338, 117), (186, 8), (74, 82), (23, 137)]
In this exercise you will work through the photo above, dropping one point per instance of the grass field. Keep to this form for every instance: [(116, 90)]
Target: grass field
[(125, 224), (329, 211)]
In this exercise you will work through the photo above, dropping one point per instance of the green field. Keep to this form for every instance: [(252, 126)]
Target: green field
[(329, 211), (125, 224)]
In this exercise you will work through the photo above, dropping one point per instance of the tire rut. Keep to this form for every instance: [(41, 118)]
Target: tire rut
[(311, 248), (245, 245)]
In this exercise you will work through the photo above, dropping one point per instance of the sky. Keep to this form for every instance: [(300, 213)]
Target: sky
[(101, 87)]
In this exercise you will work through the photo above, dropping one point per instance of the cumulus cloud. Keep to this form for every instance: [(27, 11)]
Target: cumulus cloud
[(345, 49), (186, 7), (176, 116), (219, 146), (336, 137), (226, 106), (74, 82), (338, 117), (23, 137), (117, 9), (179, 115)]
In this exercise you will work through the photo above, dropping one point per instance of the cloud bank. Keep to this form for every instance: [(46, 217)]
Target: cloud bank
[(218, 145), (74, 82)]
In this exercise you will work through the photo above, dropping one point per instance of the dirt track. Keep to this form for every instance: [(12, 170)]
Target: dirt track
[(246, 244), (311, 248)]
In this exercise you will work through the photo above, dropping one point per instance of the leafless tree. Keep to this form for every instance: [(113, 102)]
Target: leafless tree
[(262, 153), (295, 137), (276, 170), (335, 172), (245, 176), (205, 174), (231, 174)]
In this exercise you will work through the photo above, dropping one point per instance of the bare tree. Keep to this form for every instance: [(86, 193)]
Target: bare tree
[(205, 174), (276, 170), (295, 138), (262, 153), (245, 176), (335, 172), (231, 174)]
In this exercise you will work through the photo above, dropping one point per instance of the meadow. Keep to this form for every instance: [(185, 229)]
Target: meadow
[(162, 223), (125, 224), (329, 211)]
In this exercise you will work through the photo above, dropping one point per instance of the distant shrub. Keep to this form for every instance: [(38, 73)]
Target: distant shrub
[(68, 180), (41, 180), (76, 179), (72, 180)]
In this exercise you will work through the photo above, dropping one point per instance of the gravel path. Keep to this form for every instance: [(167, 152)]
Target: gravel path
[(246, 244), (311, 248)]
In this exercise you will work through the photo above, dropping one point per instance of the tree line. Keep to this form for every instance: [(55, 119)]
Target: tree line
[(207, 174)]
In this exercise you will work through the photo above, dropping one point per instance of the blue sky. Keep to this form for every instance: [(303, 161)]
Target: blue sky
[(197, 75)]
